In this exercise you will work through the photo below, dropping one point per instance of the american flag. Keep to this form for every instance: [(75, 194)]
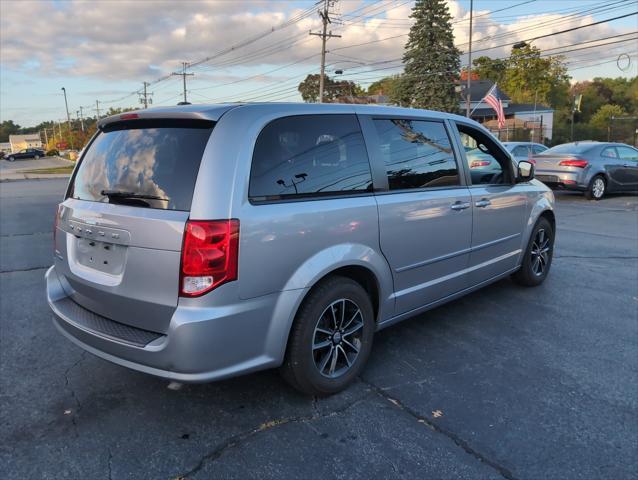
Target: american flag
[(493, 100)]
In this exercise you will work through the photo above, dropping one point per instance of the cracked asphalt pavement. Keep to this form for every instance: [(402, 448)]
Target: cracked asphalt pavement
[(507, 382)]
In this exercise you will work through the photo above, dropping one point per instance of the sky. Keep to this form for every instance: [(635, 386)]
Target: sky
[(260, 50)]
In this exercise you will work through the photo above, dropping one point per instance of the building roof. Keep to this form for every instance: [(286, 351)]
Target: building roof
[(512, 109), (478, 90), (29, 137)]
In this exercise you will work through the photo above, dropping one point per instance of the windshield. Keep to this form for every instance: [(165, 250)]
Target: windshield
[(143, 163), (575, 148)]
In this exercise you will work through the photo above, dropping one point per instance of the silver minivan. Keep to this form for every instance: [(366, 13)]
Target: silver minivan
[(201, 242)]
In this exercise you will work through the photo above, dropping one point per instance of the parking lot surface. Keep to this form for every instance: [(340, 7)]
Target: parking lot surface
[(507, 382)]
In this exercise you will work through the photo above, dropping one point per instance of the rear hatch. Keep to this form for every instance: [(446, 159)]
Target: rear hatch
[(120, 229)]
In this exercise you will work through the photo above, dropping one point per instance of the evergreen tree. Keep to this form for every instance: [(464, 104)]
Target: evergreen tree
[(431, 60)]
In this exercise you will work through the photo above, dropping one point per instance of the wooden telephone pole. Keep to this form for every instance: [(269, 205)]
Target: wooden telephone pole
[(325, 35)]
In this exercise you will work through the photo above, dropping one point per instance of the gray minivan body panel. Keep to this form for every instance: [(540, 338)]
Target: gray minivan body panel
[(418, 249)]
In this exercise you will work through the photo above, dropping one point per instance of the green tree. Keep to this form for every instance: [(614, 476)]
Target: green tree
[(7, 128), (385, 86), (602, 117), (333, 89), (603, 91), (493, 69), (530, 78), (431, 60)]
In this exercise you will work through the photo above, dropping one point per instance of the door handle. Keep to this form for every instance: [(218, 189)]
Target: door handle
[(627, 165), (483, 203), (460, 205)]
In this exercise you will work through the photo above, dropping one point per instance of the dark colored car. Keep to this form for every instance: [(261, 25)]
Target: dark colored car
[(26, 153), (591, 167)]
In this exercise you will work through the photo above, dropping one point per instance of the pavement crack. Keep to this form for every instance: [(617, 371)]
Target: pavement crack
[(75, 398), (31, 269), (504, 472), (240, 438), (110, 465)]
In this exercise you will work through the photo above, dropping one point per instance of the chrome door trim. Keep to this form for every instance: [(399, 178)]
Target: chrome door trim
[(456, 254), (465, 271)]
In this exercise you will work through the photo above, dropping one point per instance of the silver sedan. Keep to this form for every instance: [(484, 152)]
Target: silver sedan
[(594, 168)]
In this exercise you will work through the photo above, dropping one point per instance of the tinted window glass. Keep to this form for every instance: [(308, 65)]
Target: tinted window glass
[(538, 149), (520, 151), (156, 162), (309, 155), (416, 154), (609, 152), (627, 153)]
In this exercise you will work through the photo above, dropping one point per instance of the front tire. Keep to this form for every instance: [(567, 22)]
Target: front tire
[(597, 188), (538, 255), (331, 338), (11, 159), (36, 157)]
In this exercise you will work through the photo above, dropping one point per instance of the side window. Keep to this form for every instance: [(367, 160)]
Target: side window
[(416, 154), (609, 152), (628, 153), (484, 158), (309, 155), (538, 149), (520, 151)]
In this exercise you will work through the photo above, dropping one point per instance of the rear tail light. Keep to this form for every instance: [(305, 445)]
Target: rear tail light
[(209, 255), (479, 163), (574, 163)]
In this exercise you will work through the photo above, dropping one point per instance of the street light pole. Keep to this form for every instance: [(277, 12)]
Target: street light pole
[(68, 117)]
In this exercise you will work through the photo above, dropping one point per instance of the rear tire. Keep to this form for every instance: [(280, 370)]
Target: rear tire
[(331, 338), (538, 255), (36, 157), (597, 188)]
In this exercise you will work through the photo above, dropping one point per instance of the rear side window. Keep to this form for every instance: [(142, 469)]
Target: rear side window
[(145, 163), (538, 149), (309, 156), (416, 154)]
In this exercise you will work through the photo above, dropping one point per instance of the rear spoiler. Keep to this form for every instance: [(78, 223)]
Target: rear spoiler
[(192, 112)]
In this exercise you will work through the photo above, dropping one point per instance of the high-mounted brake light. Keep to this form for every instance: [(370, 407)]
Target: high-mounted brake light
[(209, 255), (574, 163), (129, 116)]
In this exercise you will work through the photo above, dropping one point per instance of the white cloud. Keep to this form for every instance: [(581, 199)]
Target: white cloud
[(131, 39)]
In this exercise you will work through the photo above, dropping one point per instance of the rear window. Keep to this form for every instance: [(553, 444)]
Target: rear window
[(145, 163), (569, 148), (309, 156)]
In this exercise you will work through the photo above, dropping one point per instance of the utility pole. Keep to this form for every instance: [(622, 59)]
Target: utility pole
[(183, 75), (82, 117), (468, 100), (68, 117), (145, 95), (46, 138), (325, 35), (97, 108)]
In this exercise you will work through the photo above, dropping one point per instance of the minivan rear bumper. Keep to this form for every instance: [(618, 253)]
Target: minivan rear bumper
[(201, 344)]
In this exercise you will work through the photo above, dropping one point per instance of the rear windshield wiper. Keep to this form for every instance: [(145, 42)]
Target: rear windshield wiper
[(121, 194)]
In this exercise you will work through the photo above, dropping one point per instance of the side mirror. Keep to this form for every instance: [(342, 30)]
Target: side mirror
[(525, 171)]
